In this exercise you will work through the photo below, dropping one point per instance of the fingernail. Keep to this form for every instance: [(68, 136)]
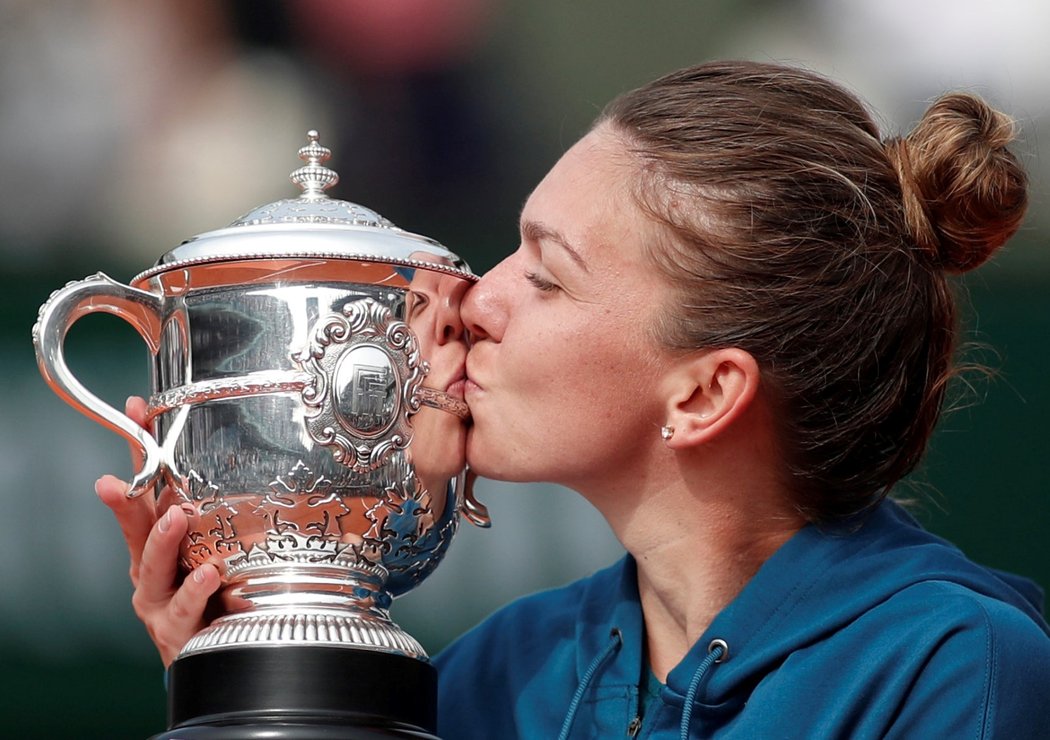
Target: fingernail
[(198, 575), (165, 521), (96, 485), (188, 509)]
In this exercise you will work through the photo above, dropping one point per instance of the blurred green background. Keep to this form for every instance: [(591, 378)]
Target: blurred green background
[(126, 127)]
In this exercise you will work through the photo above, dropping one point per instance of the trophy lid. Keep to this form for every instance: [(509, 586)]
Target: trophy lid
[(312, 227)]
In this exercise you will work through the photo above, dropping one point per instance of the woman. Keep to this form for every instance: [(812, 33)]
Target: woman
[(729, 327)]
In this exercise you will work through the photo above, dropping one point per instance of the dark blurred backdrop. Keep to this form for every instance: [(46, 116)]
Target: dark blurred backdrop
[(126, 127)]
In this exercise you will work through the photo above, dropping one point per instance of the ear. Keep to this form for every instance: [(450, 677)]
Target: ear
[(709, 391)]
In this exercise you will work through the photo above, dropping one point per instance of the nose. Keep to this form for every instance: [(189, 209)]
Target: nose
[(484, 309), (450, 332), (449, 325)]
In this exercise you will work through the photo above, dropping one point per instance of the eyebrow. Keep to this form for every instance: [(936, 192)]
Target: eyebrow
[(536, 231)]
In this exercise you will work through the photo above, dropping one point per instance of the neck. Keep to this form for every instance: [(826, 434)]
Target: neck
[(698, 537), (690, 576)]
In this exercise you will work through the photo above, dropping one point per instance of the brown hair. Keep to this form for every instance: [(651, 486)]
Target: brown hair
[(797, 234)]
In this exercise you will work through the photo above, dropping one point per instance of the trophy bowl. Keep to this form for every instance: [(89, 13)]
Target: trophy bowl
[(306, 410)]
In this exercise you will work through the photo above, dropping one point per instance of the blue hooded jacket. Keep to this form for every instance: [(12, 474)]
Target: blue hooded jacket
[(882, 631)]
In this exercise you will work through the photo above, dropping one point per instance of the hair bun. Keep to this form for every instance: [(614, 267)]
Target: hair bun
[(964, 192)]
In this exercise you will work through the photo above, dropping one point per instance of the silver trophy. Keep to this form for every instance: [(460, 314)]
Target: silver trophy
[(307, 371)]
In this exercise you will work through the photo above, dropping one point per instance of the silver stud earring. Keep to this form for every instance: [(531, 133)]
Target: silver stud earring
[(666, 432)]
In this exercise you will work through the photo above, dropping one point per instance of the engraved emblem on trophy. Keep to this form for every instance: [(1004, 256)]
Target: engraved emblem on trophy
[(306, 368)]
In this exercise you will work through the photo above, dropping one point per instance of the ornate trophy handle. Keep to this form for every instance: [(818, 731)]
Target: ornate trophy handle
[(475, 512), (99, 293)]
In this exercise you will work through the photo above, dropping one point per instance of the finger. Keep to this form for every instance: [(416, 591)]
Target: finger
[(184, 616), (158, 569), (136, 517), (135, 409)]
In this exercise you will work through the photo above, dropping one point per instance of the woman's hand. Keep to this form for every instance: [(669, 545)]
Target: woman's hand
[(172, 608)]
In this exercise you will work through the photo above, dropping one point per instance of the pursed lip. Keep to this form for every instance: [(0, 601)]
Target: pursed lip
[(459, 378), (457, 388), (471, 383)]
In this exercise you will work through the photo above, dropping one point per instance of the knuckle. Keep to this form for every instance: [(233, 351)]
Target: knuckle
[(183, 607), (178, 610), (163, 642), (140, 605)]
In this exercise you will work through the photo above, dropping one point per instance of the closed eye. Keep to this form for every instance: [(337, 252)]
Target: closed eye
[(418, 302), (540, 283)]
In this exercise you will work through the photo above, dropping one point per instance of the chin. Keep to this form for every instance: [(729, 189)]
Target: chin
[(491, 455), (486, 467), (484, 464)]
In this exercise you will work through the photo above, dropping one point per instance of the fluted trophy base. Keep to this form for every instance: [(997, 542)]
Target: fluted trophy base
[(300, 692), (344, 628)]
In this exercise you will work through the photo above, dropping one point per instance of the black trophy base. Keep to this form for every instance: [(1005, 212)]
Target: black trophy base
[(300, 693)]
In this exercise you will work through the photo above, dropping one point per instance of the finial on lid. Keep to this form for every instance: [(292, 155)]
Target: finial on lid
[(314, 178)]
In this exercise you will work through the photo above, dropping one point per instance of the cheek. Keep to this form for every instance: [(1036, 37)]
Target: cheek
[(596, 364), (572, 385), (578, 404)]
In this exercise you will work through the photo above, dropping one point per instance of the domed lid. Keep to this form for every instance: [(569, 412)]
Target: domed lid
[(312, 226)]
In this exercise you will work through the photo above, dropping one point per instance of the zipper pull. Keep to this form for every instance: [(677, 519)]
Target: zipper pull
[(634, 727)]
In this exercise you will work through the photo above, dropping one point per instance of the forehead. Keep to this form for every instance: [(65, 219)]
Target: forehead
[(588, 196), (598, 159)]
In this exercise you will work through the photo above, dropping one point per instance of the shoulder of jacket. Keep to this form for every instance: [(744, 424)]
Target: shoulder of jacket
[(520, 626), (959, 604), (1004, 654)]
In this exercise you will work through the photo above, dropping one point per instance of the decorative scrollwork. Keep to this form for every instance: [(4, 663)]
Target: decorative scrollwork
[(366, 373)]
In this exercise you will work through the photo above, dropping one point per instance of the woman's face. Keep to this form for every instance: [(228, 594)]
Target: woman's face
[(562, 375)]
